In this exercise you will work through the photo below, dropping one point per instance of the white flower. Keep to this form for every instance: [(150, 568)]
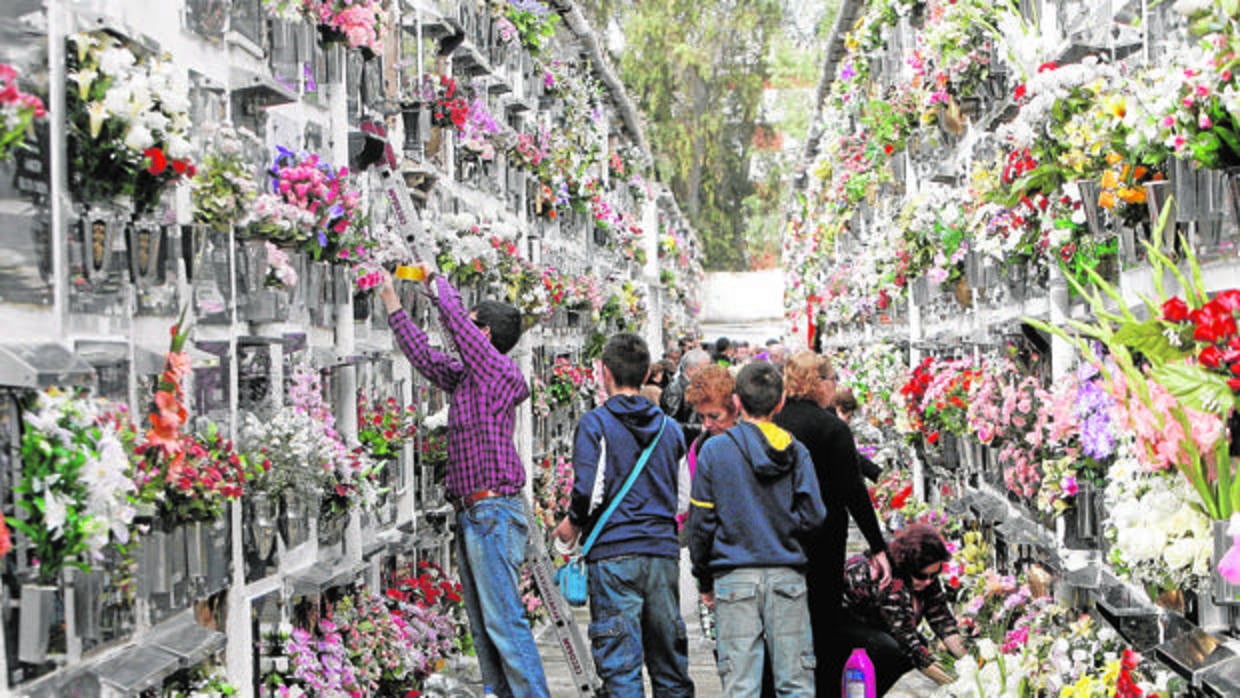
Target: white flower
[(1188, 8), (138, 138), (178, 148), (55, 512), (117, 99), (116, 61)]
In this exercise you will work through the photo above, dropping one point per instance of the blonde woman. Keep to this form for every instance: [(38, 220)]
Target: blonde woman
[(809, 387)]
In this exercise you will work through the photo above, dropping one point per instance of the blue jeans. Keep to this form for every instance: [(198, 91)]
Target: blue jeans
[(635, 615), (490, 548), (756, 605)]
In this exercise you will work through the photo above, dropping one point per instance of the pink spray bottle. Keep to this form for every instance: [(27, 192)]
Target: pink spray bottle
[(858, 680)]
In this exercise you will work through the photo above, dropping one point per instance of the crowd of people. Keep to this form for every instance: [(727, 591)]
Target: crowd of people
[(743, 458)]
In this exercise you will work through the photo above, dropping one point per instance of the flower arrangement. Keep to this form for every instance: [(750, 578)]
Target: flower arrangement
[(1177, 406), (1159, 537), (280, 271), (937, 396), (292, 449), (449, 108), (532, 21), (346, 477), (383, 427), (18, 110), (377, 644), (315, 188), (225, 188), (189, 477), (553, 483), (75, 486), (128, 121), (360, 24), (566, 382), (478, 131)]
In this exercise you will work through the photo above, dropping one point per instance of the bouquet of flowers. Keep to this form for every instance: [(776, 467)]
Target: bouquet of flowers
[(384, 427), (75, 487), (347, 477), (357, 23), (190, 477), (323, 193), (431, 602), (18, 110), (1158, 535), (449, 108), (280, 271), (532, 21), (128, 121), (553, 483), (225, 188)]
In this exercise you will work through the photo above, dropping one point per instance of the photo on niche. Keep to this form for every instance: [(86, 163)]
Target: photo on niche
[(25, 219)]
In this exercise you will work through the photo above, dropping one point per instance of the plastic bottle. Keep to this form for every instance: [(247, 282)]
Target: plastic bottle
[(858, 680)]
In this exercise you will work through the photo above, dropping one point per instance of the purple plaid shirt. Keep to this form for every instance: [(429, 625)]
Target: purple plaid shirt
[(486, 387)]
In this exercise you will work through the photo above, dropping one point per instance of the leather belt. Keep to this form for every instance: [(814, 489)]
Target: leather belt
[(462, 503)]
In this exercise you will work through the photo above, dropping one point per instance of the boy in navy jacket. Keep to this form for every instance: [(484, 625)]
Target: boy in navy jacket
[(755, 496), (633, 567)]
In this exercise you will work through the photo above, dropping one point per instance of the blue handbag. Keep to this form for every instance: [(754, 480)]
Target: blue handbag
[(572, 577)]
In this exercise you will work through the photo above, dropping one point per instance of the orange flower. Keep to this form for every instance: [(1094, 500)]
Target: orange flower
[(178, 366), (1110, 180), (1106, 199)]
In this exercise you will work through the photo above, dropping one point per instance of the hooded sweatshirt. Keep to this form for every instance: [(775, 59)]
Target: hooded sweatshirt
[(754, 495), (611, 439)]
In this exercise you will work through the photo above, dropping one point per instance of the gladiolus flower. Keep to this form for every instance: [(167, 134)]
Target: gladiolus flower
[(1175, 310)]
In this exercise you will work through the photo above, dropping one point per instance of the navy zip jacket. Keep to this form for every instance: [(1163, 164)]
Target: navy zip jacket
[(645, 521), (755, 494)]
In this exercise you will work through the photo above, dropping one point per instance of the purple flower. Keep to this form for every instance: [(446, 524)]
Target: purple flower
[(847, 72)]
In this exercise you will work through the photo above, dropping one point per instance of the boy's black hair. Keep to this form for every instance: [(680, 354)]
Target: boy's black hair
[(504, 321), (760, 386), (628, 358)]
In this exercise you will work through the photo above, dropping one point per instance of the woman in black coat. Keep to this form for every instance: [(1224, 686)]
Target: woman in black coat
[(809, 384)]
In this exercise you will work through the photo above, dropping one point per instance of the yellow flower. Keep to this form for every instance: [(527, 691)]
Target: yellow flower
[(1110, 675), (97, 114), (1083, 688)]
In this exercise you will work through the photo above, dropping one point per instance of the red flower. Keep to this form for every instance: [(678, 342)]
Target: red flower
[(1210, 357), (933, 438), (1019, 93), (1175, 310), (889, 149), (1229, 299), (156, 162), (898, 501), (1213, 324)]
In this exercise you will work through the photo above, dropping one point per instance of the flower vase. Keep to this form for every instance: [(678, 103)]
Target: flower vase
[(331, 526), (1209, 616), (156, 561), (146, 252), (1157, 194), (263, 515), (1090, 192), (293, 526), (252, 266), (37, 613), (98, 227), (1222, 591), (196, 550), (219, 554), (962, 292), (88, 592)]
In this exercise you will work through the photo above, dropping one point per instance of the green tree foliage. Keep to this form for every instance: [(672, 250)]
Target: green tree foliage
[(697, 70)]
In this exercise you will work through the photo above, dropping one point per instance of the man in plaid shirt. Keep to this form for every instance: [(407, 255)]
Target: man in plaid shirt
[(485, 474)]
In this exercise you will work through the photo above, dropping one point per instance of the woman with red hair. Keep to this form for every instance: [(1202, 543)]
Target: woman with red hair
[(883, 619)]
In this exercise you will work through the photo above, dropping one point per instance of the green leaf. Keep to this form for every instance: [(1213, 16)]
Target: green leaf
[(1148, 338), (1196, 387)]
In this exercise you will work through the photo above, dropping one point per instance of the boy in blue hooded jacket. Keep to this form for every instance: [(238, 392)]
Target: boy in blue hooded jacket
[(634, 565), (755, 496)]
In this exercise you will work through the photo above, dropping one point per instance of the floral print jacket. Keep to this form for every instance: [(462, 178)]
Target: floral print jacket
[(898, 609)]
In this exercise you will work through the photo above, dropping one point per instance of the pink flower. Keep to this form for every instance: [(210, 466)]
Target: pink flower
[(1069, 486), (1229, 566)]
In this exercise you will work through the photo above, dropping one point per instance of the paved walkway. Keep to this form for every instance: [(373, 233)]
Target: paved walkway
[(701, 658)]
